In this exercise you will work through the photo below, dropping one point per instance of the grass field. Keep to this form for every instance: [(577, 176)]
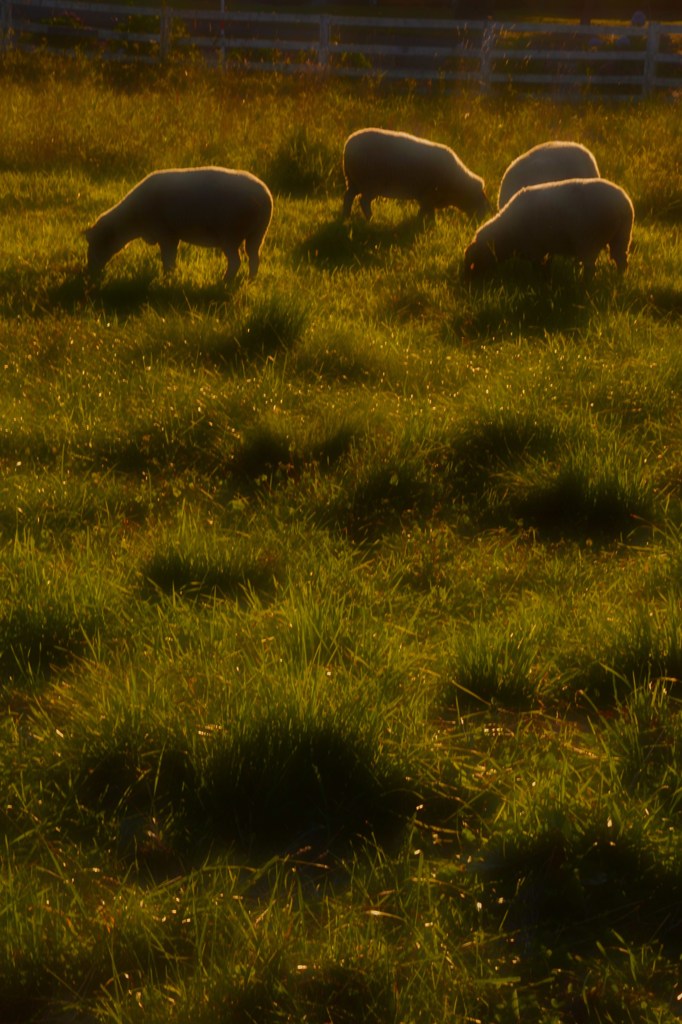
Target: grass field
[(340, 619)]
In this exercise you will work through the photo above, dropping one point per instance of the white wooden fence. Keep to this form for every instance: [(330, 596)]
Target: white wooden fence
[(567, 59)]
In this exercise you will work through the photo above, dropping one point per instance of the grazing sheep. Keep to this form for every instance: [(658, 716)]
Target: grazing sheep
[(207, 206), (550, 161), (377, 162), (568, 218)]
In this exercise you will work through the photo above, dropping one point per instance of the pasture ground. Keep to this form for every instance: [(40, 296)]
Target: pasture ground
[(340, 623)]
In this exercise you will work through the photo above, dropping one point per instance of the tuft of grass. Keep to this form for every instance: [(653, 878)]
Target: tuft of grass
[(261, 328), (493, 442), (347, 991), (384, 485), (288, 783), (643, 743), (51, 611), (600, 495), (273, 324), (222, 568), (264, 454), (642, 648), (303, 165), (492, 664)]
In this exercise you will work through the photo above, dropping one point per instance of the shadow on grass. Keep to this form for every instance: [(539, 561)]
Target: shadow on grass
[(665, 209), (381, 500), (141, 799), (661, 303), (287, 785), (572, 890), (515, 471), (154, 446), (490, 666), (572, 506), (519, 297), (68, 289), (201, 574), (528, 469), (323, 992), (41, 635), (36, 989), (355, 243), (268, 455), (125, 296), (277, 785), (262, 329), (643, 650), (304, 165)]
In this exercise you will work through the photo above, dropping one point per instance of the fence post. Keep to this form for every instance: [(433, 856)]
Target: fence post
[(653, 43), (221, 54), (487, 45), (323, 46), (5, 25), (164, 31)]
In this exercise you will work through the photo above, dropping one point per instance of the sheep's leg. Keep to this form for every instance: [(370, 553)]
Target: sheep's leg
[(544, 266), (253, 254), (233, 262), (426, 215), (589, 263), (621, 263), (350, 195), (366, 206), (169, 254), (618, 251)]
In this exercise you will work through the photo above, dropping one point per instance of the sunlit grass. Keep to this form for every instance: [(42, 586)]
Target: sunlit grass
[(340, 641)]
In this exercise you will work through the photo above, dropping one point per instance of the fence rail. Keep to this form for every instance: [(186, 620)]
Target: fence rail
[(603, 58)]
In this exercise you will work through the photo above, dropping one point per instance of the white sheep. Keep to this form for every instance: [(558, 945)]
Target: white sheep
[(575, 218), (550, 161), (207, 206), (395, 165)]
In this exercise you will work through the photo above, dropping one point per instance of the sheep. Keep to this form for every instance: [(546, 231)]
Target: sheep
[(395, 165), (550, 161), (207, 206), (575, 218)]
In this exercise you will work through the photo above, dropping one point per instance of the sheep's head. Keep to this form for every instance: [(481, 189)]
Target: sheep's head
[(474, 201), (101, 247), (479, 257), (481, 206)]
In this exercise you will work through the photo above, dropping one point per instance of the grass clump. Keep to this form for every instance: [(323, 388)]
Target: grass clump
[(304, 165), (262, 329), (490, 664), (644, 746), (644, 648), (51, 611), (331, 789), (578, 881), (222, 568), (591, 494)]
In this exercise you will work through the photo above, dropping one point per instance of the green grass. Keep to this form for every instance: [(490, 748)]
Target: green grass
[(340, 628)]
